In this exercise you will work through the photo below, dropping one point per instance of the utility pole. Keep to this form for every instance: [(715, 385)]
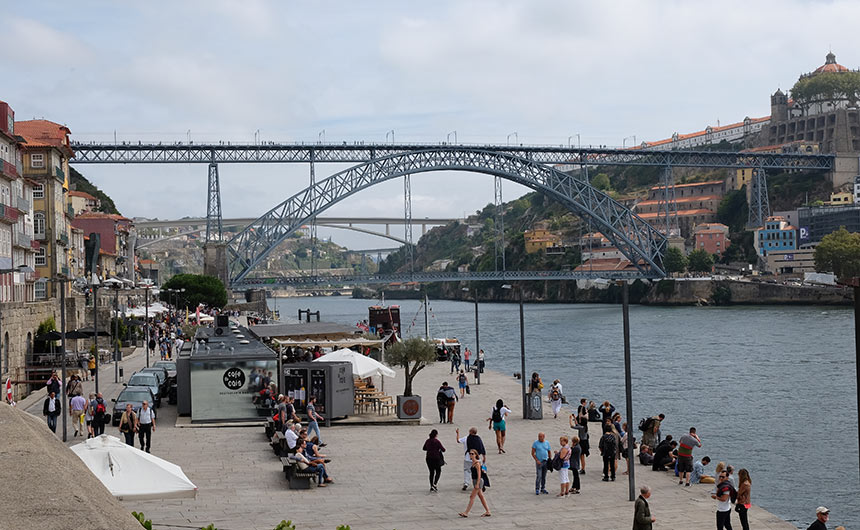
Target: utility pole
[(628, 387)]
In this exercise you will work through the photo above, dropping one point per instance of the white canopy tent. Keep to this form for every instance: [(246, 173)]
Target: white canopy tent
[(131, 474), (362, 365)]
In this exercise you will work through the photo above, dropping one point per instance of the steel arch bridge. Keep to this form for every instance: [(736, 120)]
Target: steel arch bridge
[(641, 243)]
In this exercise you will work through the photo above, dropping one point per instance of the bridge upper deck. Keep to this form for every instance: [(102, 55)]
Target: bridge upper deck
[(360, 152)]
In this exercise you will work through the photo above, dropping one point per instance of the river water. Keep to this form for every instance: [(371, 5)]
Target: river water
[(769, 388)]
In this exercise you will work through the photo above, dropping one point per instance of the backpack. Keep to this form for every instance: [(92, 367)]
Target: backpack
[(645, 424), (555, 396), (100, 407), (441, 399), (497, 415), (556, 461), (733, 493), (609, 444)]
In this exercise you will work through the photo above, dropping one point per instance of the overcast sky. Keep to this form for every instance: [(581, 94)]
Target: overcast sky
[(547, 70)]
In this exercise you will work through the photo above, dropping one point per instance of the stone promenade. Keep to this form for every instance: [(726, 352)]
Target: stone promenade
[(381, 479)]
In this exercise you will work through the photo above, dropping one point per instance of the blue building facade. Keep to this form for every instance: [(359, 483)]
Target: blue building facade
[(776, 234)]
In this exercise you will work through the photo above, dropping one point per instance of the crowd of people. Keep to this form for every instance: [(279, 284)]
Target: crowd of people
[(303, 442)]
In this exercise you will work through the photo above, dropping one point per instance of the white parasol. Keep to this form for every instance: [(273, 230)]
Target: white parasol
[(131, 474), (362, 365)]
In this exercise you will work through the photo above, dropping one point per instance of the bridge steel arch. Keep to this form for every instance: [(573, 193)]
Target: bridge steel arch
[(641, 243)]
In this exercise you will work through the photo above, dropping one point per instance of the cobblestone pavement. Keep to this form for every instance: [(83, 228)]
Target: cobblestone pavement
[(381, 479)]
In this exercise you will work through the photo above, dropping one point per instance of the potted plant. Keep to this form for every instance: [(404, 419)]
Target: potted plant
[(413, 355)]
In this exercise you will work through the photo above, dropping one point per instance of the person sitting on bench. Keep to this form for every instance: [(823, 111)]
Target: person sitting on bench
[(307, 466)]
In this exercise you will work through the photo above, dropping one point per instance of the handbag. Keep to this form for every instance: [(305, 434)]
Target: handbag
[(442, 460), (468, 390)]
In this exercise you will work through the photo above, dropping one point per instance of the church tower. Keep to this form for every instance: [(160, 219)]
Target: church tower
[(778, 107)]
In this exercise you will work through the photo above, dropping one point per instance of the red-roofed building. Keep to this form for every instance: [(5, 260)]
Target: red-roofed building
[(713, 238), (113, 233), (82, 201), (46, 153)]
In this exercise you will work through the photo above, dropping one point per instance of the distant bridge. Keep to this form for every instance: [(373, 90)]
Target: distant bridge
[(422, 277), (195, 225)]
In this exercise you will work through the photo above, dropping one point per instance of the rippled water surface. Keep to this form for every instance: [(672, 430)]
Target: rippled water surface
[(772, 389)]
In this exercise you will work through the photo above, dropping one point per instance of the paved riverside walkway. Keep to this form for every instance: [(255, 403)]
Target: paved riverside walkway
[(381, 479)]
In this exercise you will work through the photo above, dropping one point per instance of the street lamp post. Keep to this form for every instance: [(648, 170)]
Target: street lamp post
[(628, 385), (96, 330), (522, 348), (146, 326), (116, 288), (477, 339), (62, 281)]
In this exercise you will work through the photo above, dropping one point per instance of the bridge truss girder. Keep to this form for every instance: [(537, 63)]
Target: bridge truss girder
[(98, 153), (634, 237)]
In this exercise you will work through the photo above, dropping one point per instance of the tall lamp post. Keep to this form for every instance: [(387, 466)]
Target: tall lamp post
[(477, 338), (115, 285), (146, 324), (522, 348), (628, 384)]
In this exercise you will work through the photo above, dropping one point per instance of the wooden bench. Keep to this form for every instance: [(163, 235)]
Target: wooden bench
[(279, 444), (386, 403), (297, 479), (270, 428)]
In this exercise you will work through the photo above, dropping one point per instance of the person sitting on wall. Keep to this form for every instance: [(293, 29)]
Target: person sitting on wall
[(646, 455)]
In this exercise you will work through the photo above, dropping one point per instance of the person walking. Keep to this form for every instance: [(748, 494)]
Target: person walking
[(52, 408), (451, 401), (564, 471), (685, 455), (128, 424), (472, 441), (608, 446), (540, 453), (455, 360), (463, 382), (467, 355), (555, 399), (54, 384), (74, 387), (723, 496), (92, 366), (498, 424), (434, 458), (77, 406), (313, 417), (99, 415), (475, 470), (822, 514), (442, 402), (642, 518), (742, 503), (88, 416), (145, 426)]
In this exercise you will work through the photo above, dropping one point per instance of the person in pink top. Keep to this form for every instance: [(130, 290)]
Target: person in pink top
[(466, 356)]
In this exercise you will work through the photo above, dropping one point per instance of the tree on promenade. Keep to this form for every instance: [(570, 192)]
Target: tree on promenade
[(413, 355), (675, 261), (839, 253), (700, 261), (199, 289)]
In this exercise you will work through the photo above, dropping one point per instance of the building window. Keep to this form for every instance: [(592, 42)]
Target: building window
[(39, 191), (41, 258), (37, 160), (39, 225), (40, 290)]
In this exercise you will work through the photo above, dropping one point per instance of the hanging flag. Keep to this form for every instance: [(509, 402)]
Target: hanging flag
[(198, 315), (9, 392)]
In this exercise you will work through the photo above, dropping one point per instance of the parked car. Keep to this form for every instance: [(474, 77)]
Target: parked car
[(161, 373), (170, 366), (149, 380), (135, 395)]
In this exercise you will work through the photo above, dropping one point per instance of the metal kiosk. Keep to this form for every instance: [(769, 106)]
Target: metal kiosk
[(331, 383)]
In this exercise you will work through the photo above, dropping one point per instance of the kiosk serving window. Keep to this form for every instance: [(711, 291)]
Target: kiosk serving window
[(223, 389)]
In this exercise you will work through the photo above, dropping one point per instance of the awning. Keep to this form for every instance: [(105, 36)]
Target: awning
[(323, 343)]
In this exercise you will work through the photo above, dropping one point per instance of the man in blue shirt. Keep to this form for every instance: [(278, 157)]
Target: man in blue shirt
[(540, 454), (698, 474)]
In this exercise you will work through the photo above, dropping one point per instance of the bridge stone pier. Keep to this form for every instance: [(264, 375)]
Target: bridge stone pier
[(215, 261)]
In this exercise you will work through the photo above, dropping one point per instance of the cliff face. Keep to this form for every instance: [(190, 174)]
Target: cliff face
[(663, 292)]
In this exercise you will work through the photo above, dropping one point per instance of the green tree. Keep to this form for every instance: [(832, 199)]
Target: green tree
[(675, 261), (413, 355), (839, 253), (700, 261), (199, 289), (601, 181), (733, 210)]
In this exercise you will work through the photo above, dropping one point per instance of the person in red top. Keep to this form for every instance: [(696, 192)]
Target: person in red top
[(685, 454)]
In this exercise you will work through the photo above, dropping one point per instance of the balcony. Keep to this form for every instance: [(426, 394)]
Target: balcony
[(63, 239), (9, 171), (23, 204), (70, 211), (8, 214), (58, 173), (22, 240)]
